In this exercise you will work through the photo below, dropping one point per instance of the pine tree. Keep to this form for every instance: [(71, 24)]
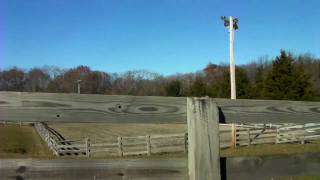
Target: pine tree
[(285, 81), (173, 88), (243, 86), (258, 86), (198, 88)]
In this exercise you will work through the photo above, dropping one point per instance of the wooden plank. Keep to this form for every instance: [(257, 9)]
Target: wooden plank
[(105, 145), (133, 138), (167, 141), (133, 144), (203, 132), (168, 149), (72, 146), (108, 150), (167, 136), (167, 144), (225, 144), (134, 148), (72, 151), (255, 132), (135, 153), (69, 141), (63, 107)]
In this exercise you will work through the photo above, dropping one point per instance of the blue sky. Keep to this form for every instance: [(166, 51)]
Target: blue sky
[(165, 36)]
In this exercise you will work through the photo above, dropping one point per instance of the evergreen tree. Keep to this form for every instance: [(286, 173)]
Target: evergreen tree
[(258, 86), (243, 87), (198, 88), (285, 81), (173, 88)]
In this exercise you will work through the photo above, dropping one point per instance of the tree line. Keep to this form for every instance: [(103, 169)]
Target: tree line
[(284, 77)]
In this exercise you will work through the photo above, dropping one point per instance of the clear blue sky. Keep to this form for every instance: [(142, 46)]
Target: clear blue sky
[(166, 36)]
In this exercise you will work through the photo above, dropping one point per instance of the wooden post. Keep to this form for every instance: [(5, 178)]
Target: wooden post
[(49, 140), (87, 141), (148, 145), (277, 136), (185, 142), (48, 137), (302, 140), (203, 135), (120, 146), (233, 136), (249, 140)]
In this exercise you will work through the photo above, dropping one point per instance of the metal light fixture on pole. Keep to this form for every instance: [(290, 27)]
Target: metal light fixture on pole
[(231, 24)]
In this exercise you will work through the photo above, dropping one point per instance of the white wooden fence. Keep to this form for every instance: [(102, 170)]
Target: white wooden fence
[(231, 135), (122, 146)]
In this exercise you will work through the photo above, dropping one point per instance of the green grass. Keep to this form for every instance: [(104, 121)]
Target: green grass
[(272, 149), (21, 142)]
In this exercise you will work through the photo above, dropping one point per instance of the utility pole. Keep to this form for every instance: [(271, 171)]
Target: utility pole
[(232, 25), (79, 82), (232, 68)]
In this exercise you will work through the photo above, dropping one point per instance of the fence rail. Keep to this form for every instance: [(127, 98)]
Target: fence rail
[(231, 135), (246, 135), (122, 146), (51, 107)]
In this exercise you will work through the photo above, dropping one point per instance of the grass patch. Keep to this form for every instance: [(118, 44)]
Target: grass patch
[(272, 149), (16, 142)]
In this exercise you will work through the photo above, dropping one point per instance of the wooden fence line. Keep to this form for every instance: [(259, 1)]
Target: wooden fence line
[(124, 146), (232, 136)]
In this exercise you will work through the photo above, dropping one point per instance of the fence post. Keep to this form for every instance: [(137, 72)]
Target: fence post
[(148, 145), (120, 146), (277, 135), (203, 135), (302, 140), (87, 147), (233, 136), (48, 138), (185, 142), (249, 140)]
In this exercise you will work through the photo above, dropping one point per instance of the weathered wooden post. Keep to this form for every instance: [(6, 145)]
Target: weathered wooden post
[(148, 143), (203, 132), (49, 139), (249, 139), (120, 148), (233, 136), (87, 140)]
